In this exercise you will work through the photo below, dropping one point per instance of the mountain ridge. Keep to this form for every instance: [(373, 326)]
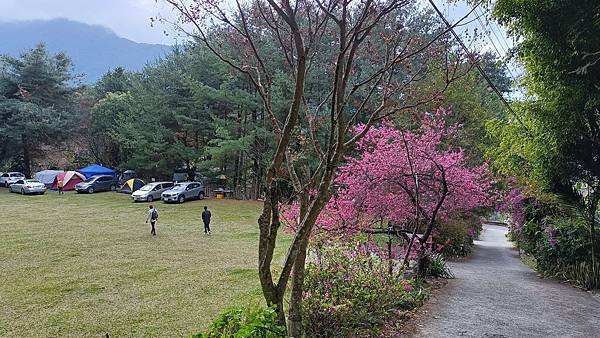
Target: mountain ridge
[(94, 49)]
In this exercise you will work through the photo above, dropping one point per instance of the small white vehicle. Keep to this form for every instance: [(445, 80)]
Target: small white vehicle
[(151, 191), (6, 179), (28, 187)]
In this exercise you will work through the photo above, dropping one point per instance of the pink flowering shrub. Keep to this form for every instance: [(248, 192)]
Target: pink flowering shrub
[(378, 183), (349, 293), (513, 205)]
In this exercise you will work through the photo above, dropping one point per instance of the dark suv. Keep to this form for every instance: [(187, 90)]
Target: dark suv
[(97, 183)]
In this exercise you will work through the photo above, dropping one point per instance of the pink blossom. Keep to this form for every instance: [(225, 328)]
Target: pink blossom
[(406, 285), (378, 183)]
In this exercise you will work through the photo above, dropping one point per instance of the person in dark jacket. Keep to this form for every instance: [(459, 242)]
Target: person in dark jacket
[(152, 217), (206, 220)]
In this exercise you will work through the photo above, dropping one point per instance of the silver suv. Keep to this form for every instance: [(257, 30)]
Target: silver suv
[(184, 191), (97, 183), (151, 191)]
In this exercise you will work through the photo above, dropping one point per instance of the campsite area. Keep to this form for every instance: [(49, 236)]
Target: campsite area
[(86, 265)]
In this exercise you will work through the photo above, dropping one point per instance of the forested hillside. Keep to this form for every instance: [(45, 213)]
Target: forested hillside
[(188, 109), (93, 49)]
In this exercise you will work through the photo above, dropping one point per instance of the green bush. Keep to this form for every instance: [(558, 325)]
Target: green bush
[(438, 267), (582, 274), (561, 247), (558, 238), (561, 241), (245, 322), (454, 237), (349, 293)]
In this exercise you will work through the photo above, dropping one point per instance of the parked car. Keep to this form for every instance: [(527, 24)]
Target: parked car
[(28, 187), (97, 183), (151, 191), (9, 178), (182, 192)]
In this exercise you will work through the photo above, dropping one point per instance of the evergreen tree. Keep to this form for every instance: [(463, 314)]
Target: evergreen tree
[(36, 101)]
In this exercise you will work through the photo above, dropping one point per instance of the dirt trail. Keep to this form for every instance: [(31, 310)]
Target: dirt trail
[(496, 295)]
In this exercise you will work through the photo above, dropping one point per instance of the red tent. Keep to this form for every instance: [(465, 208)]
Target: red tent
[(69, 178)]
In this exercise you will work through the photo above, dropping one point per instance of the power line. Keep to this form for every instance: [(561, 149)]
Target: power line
[(493, 29), (500, 54), (502, 41), (476, 63), (487, 32)]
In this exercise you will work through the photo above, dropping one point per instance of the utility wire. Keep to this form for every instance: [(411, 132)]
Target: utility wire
[(487, 33), (500, 54), (495, 28), (478, 65)]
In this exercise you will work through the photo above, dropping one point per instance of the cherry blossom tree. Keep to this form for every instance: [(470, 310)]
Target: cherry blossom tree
[(342, 62), (403, 177)]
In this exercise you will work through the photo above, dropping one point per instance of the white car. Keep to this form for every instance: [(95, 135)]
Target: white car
[(151, 191), (28, 187), (9, 178)]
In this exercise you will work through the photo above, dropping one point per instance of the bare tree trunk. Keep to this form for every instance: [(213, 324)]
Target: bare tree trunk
[(295, 312), (26, 156), (269, 225), (390, 261), (236, 175), (593, 208), (423, 262)]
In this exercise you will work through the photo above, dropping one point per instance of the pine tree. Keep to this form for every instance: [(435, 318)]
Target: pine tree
[(36, 101)]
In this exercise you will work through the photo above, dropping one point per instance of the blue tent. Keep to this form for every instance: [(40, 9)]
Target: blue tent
[(95, 169)]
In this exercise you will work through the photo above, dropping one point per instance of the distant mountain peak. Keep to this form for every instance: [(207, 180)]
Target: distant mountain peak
[(94, 49)]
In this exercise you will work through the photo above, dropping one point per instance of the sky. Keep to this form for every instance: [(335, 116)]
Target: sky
[(127, 18), (131, 19)]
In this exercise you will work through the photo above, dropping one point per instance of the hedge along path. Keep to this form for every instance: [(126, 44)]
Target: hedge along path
[(496, 295)]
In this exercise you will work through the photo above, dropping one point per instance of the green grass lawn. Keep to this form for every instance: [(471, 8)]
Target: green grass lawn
[(86, 265)]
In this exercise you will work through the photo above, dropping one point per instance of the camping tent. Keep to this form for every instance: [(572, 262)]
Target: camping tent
[(126, 176), (69, 178), (47, 176), (95, 169), (131, 185)]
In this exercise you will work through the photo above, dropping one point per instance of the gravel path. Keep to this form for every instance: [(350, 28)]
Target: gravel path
[(496, 295)]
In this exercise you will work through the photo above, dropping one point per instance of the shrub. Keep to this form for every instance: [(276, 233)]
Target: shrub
[(455, 236), (558, 238), (349, 293), (245, 322), (561, 247), (439, 268)]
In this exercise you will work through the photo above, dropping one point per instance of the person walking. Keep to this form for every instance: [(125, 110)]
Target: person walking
[(152, 217), (60, 184), (206, 220)]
